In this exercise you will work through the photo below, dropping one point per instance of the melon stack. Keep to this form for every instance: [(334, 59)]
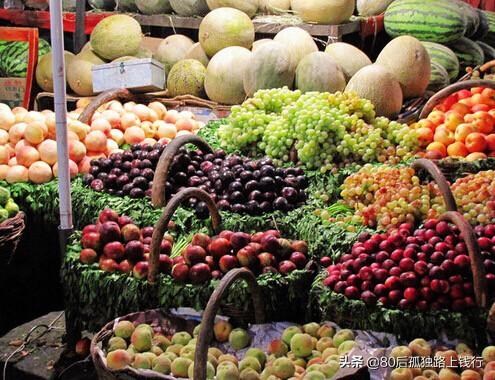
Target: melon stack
[(463, 37)]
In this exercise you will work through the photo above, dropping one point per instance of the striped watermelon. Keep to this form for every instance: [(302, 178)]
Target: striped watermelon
[(445, 57), (483, 28), (472, 17), (439, 77), (14, 58), (468, 52), (490, 36), (427, 20), (488, 50)]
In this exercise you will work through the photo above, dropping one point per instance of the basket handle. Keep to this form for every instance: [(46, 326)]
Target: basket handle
[(439, 178), (206, 331), (158, 196), (449, 90), (477, 268), (487, 66), (104, 97), (168, 212)]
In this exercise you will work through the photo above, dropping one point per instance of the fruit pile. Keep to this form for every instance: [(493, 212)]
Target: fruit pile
[(338, 128), (315, 351), (458, 363), (384, 197), (463, 125), (427, 268), (8, 208), (236, 184), (117, 244), (28, 150)]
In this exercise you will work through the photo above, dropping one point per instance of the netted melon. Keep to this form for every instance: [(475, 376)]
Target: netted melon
[(298, 41), (80, 77), (89, 55), (116, 36), (330, 12), (154, 7), (144, 53), (44, 72), (187, 77), (196, 52), (259, 43), (225, 73), (225, 27), (369, 8), (379, 86), (268, 67), (319, 72), (173, 49), (349, 57), (274, 7), (249, 7), (188, 8)]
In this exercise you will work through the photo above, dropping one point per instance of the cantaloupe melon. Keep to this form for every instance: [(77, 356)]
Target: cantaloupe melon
[(125, 59), (259, 43), (407, 59), (89, 55), (330, 12), (249, 7), (224, 27), (80, 77), (187, 77), (116, 36), (379, 86), (274, 7), (298, 41), (268, 67), (154, 7), (173, 49), (319, 72), (348, 57), (369, 8), (225, 74), (196, 52), (188, 8), (44, 73), (143, 53)]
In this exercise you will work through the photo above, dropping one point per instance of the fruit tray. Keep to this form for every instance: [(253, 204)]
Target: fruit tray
[(171, 324), (93, 295), (463, 318), (10, 234)]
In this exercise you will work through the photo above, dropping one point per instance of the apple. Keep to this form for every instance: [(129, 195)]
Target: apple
[(270, 243), (227, 263), (124, 220), (239, 240), (285, 249), (166, 264), (469, 374), (300, 260), (488, 354), (108, 215), (165, 247), (401, 374), (256, 237), (211, 262), (91, 240), (286, 266), (114, 250), (125, 266), (392, 283), (448, 374), (134, 251), (90, 228), (88, 256), (109, 231), (420, 347), (194, 254), (246, 257), (219, 247), (180, 272), (267, 260), (226, 234), (130, 232), (256, 247), (108, 265), (222, 330), (140, 270), (201, 239), (199, 273), (216, 274), (147, 232), (400, 352)]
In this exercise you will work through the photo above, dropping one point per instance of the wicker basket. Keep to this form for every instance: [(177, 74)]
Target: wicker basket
[(171, 324), (10, 234)]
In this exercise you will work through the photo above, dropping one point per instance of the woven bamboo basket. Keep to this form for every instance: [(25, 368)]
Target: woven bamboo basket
[(10, 234)]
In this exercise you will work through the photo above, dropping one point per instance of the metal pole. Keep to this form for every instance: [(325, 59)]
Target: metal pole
[(79, 35)]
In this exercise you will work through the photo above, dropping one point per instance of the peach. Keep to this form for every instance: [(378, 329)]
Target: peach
[(124, 329), (96, 141), (128, 120), (277, 347), (164, 129), (129, 106), (48, 151), (7, 119), (462, 131), (27, 155), (438, 147), (111, 146), (79, 128), (159, 108), (183, 133), (3, 171), (17, 173), (184, 125), (73, 169), (488, 92), (40, 172), (476, 156), (77, 151), (112, 117), (142, 112), (436, 117), (118, 136), (13, 161), (21, 144), (134, 135), (301, 345), (222, 330), (84, 165), (118, 359), (35, 132), (171, 116), (83, 102), (50, 123), (457, 149), (450, 357), (72, 136), (4, 137), (239, 339), (101, 125), (443, 135), (469, 374), (16, 133), (34, 116), (116, 106), (448, 374), (426, 123), (482, 121), (489, 375), (283, 368), (452, 120), (460, 108), (476, 142), (4, 155), (401, 374), (149, 129), (149, 141), (425, 135)]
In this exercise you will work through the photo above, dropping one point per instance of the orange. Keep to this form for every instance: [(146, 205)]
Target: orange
[(457, 149), (476, 142)]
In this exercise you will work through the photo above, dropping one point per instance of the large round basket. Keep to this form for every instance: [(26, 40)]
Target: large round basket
[(10, 234)]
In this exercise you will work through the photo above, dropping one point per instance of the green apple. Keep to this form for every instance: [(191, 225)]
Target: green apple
[(342, 336)]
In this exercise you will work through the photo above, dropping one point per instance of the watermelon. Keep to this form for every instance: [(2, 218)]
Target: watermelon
[(444, 56), (490, 35), (468, 52), (439, 77), (15, 56), (483, 27), (472, 17), (487, 50), (427, 20)]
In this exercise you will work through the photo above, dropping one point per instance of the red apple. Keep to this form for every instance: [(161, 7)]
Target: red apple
[(256, 247), (165, 247), (369, 298), (201, 239), (124, 220), (226, 234), (286, 266), (380, 290), (88, 256), (299, 246), (108, 265), (256, 238), (239, 240), (216, 275), (194, 254), (219, 247), (147, 240), (421, 267), (267, 260), (178, 260), (134, 251), (380, 275), (227, 263), (247, 257), (366, 274), (270, 243), (180, 272), (275, 233), (109, 231), (411, 294), (140, 270), (147, 232), (285, 248), (211, 262), (130, 232), (90, 228), (351, 292), (199, 273), (299, 259), (406, 264), (125, 266), (392, 283), (91, 240), (394, 296), (108, 215), (165, 264), (325, 261), (408, 280), (440, 286), (114, 250)]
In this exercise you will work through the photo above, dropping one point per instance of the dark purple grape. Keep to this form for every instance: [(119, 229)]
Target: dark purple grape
[(266, 206), (251, 185), (200, 173), (180, 178), (194, 181), (251, 165), (256, 174), (148, 192), (236, 197), (280, 172), (119, 193), (267, 183), (223, 205), (148, 147), (253, 207), (280, 204), (111, 180), (148, 173), (235, 186), (135, 147), (291, 181), (209, 157), (106, 164), (233, 160), (145, 163), (135, 163), (116, 171), (290, 194), (117, 164), (127, 188), (227, 177), (206, 166), (202, 211), (127, 156), (122, 180), (102, 176), (269, 196), (239, 208), (136, 193), (191, 170), (218, 185), (126, 166), (220, 153), (140, 182), (154, 156), (87, 179), (290, 171), (135, 172), (279, 182), (213, 175), (97, 185), (94, 170), (246, 176), (302, 181), (302, 196), (266, 161), (267, 171), (150, 184), (255, 195), (95, 162), (116, 156), (218, 161), (298, 172)]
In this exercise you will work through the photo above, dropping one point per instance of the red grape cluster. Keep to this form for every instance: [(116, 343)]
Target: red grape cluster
[(427, 268)]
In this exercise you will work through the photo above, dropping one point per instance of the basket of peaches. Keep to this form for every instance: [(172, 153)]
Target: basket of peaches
[(459, 122), (438, 279)]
